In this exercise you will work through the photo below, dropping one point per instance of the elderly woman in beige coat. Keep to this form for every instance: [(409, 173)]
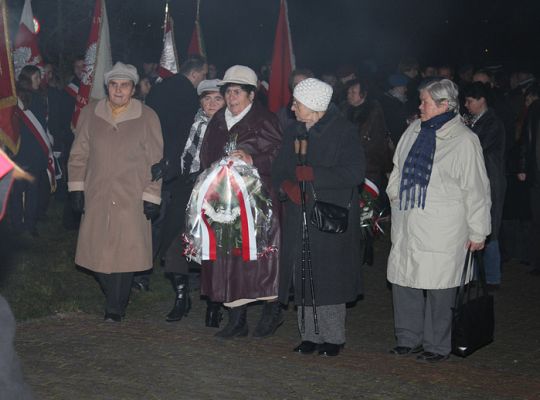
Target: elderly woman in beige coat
[(117, 141), (440, 197)]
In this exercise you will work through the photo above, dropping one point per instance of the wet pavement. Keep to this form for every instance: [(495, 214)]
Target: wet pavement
[(77, 356)]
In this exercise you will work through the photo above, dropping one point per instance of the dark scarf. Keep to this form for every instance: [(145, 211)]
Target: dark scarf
[(419, 163)]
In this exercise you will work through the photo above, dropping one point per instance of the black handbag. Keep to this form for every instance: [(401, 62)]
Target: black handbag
[(328, 217), (473, 319)]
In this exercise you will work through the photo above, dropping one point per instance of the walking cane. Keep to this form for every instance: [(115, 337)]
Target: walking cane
[(300, 148)]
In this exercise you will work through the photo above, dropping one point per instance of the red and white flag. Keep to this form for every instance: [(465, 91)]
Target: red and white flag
[(282, 63), (26, 49), (196, 44), (97, 61), (168, 63)]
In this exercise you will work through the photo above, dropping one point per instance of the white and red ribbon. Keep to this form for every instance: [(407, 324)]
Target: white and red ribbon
[(32, 123), (249, 241), (371, 188)]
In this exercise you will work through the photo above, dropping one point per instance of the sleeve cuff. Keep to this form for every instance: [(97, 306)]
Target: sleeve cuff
[(151, 198), (75, 186)]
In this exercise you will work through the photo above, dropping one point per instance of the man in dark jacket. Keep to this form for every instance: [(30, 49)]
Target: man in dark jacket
[(176, 102), (529, 167), (490, 130)]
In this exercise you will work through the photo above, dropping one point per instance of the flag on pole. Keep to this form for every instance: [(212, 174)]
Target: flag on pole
[(196, 44), (282, 63), (97, 61), (26, 49), (168, 63), (9, 132)]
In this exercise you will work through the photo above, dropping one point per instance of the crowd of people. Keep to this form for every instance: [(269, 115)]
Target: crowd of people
[(456, 154)]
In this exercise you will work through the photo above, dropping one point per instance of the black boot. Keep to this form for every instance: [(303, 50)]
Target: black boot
[(213, 314), (368, 254), (182, 302), (237, 325), (271, 319)]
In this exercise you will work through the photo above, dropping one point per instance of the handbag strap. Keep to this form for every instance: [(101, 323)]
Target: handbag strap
[(461, 290), (475, 261), (315, 195)]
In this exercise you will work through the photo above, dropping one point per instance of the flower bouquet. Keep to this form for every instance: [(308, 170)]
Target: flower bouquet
[(229, 213), (371, 214)]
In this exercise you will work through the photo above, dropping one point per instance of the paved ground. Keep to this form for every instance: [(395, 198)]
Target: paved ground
[(77, 356)]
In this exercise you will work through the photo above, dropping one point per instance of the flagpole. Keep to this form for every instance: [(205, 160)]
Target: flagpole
[(166, 18)]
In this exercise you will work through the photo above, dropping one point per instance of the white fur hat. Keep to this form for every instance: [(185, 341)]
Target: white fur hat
[(314, 94)]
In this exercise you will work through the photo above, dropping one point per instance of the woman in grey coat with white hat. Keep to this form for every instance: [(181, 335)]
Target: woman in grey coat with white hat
[(334, 169)]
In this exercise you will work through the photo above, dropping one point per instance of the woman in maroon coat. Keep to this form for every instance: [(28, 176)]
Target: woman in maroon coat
[(246, 130)]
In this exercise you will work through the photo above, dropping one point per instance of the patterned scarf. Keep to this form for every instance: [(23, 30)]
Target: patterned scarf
[(419, 163), (190, 156)]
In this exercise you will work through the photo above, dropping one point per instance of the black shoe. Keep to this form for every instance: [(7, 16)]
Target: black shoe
[(110, 317), (428, 356), (271, 319), (237, 325), (182, 301), (142, 285), (330, 349), (306, 347), (404, 350), (213, 314)]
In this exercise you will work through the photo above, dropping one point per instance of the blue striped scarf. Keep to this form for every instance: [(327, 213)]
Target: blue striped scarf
[(419, 163)]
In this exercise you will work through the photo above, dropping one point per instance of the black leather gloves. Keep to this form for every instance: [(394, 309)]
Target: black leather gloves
[(77, 201), (159, 170), (151, 210)]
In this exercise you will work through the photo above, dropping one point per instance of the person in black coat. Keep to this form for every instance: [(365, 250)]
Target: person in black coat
[(490, 130), (176, 102), (335, 168), (25, 198), (529, 167)]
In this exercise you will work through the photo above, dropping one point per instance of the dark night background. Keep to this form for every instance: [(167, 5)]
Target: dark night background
[(325, 33)]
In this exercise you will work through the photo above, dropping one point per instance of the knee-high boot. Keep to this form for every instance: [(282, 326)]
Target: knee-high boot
[(182, 301)]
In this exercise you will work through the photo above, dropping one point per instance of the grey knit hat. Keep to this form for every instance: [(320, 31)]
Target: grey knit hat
[(122, 71), (314, 94), (209, 85)]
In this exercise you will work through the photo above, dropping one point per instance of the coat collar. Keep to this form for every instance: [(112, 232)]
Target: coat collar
[(133, 111), (321, 126), (447, 130)]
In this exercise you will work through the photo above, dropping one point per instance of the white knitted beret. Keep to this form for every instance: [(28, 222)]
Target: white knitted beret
[(314, 94)]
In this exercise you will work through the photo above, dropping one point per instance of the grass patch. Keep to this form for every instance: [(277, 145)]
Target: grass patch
[(38, 276)]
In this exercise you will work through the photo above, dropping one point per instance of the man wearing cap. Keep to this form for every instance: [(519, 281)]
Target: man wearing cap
[(117, 141), (394, 104)]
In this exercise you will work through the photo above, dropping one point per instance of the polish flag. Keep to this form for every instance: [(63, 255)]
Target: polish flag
[(282, 63), (168, 63), (97, 61), (196, 44)]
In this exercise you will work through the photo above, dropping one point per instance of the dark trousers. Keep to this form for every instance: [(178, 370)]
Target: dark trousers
[(117, 288), (24, 204), (535, 231)]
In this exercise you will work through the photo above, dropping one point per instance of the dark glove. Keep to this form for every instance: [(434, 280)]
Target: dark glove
[(151, 210), (292, 190), (159, 169), (304, 173), (77, 201)]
